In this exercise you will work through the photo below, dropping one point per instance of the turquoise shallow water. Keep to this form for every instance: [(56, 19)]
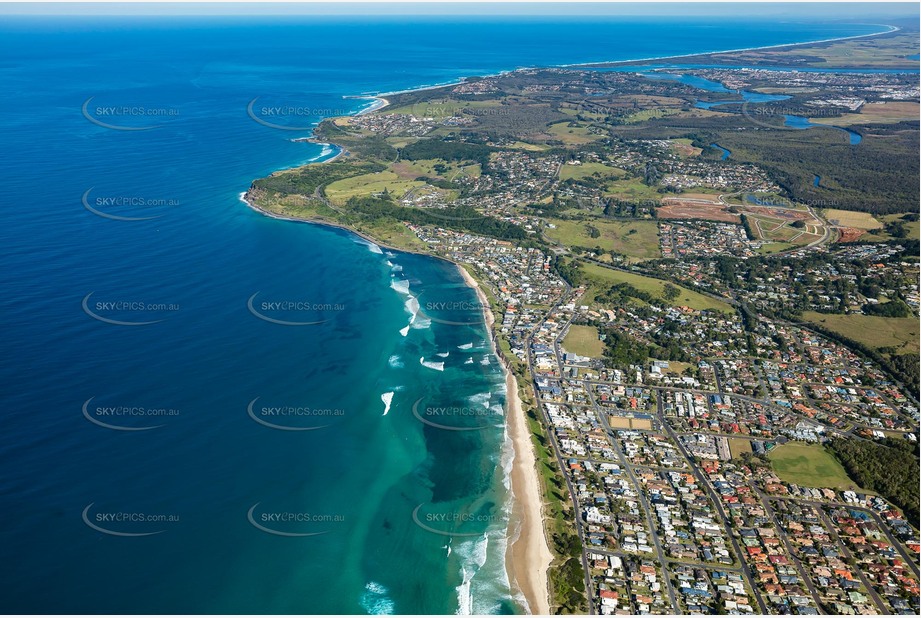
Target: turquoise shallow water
[(210, 375)]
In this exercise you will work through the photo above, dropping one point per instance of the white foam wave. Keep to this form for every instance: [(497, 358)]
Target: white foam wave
[(431, 365), (480, 399), (325, 152), (375, 600), (404, 331), (483, 573), (473, 553), (387, 398), (420, 322), (412, 306), (395, 362), (465, 346), (469, 361), (372, 247), (443, 354), (400, 285), (464, 600), (485, 360)]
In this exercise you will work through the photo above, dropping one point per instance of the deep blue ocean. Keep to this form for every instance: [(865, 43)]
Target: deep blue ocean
[(169, 443)]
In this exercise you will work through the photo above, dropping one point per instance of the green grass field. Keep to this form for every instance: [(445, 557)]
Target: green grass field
[(410, 170), (649, 114), (606, 277), (913, 227), (443, 108), (677, 367), (872, 330), (340, 191), (572, 135), (775, 247), (737, 446), (635, 239), (884, 113), (810, 465), (390, 233), (851, 218), (583, 340), (578, 172), (529, 147), (571, 111), (632, 189)]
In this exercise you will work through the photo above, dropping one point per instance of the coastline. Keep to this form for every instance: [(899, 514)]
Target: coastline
[(379, 103), (608, 63), (244, 197), (529, 557)]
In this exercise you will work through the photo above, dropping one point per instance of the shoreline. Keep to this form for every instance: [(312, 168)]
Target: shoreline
[(244, 197), (379, 103), (605, 63), (730, 51), (528, 557)]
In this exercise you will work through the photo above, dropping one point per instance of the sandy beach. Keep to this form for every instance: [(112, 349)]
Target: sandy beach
[(379, 103), (728, 51), (529, 557)]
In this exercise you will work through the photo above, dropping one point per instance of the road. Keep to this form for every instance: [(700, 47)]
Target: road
[(883, 610), (705, 483), (555, 447), (650, 524), (766, 502)]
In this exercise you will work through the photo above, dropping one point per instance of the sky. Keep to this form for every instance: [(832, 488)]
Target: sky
[(841, 10)]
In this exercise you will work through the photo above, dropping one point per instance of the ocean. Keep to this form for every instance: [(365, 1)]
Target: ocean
[(212, 411)]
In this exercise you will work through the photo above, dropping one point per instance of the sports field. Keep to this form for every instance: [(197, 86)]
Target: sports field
[(809, 465), (737, 446), (583, 340)]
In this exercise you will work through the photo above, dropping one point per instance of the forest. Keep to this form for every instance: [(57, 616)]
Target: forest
[(461, 218), (889, 468)]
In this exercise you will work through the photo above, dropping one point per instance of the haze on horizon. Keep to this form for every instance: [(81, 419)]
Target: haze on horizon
[(836, 11)]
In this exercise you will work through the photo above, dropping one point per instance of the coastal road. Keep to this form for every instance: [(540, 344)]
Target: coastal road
[(551, 438)]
